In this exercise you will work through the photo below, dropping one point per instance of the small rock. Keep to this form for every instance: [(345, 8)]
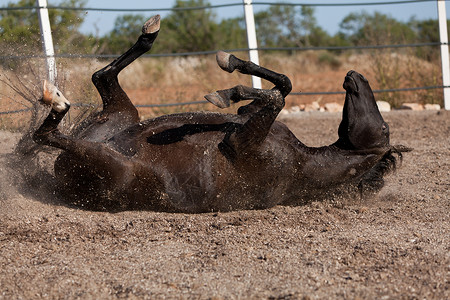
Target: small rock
[(383, 106), (313, 106), (284, 112), (294, 109), (412, 106), (429, 106), (333, 107), (361, 210)]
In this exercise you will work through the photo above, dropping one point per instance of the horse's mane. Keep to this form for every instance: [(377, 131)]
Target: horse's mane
[(373, 181)]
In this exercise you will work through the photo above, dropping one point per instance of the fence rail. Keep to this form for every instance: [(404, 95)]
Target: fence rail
[(313, 4)]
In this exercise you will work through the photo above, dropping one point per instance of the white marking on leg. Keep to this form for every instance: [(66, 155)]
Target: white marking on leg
[(53, 96), (60, 103)]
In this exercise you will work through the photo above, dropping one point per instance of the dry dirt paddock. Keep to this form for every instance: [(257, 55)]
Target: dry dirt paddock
[(395, 246)]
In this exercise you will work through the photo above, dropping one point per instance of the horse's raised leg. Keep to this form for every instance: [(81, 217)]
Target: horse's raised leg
[(229, 63), (105, 80), (262, 111), (49, 134), (60, 106), (118, 111)]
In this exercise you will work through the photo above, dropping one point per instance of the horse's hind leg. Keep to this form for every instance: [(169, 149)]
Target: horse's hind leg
[(105, 80), (118, 111)]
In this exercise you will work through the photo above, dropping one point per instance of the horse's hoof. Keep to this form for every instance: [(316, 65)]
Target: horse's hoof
[(152, 25), (219, 101), (52, 96), (224, 61)]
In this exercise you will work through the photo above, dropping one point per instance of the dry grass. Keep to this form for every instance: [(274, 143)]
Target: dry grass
[(176, 80)]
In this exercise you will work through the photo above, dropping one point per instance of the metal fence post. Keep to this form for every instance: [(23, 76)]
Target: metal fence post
[(251, 39), (444, 52), (46, 38)]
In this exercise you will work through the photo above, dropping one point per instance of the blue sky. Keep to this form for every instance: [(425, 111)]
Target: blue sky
[(98, 22)]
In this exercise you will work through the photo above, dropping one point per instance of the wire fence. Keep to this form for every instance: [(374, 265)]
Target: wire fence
[(240, 4), (256, 3), (328, 48)]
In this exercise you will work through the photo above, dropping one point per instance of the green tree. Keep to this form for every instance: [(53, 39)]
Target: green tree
[(181, 31), (189, 30), (19, 29), (286, 26), (427, 31), (232, 34), (278, 26), (366, 29), (125, 32), (312, 33)]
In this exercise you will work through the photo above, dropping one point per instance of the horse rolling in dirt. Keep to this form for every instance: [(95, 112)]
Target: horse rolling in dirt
[(202, 161)]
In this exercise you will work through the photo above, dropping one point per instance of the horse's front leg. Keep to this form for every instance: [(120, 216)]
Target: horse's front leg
[(247, 138), (49, 134), (261, 113), (230, 63), (49, 128)]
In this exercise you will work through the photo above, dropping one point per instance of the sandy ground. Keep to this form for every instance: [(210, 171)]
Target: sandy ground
[(395, 246)]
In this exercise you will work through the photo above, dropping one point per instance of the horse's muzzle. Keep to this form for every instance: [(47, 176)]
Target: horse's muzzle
[(350, 84)]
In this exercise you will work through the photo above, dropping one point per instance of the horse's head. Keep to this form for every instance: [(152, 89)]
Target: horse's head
[(362, 126)]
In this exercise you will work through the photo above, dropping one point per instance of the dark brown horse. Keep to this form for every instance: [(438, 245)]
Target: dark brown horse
[(198, 162)]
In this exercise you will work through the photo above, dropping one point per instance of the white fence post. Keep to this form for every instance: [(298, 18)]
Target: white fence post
[(46, 38), (444, 52), (251, 39)]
